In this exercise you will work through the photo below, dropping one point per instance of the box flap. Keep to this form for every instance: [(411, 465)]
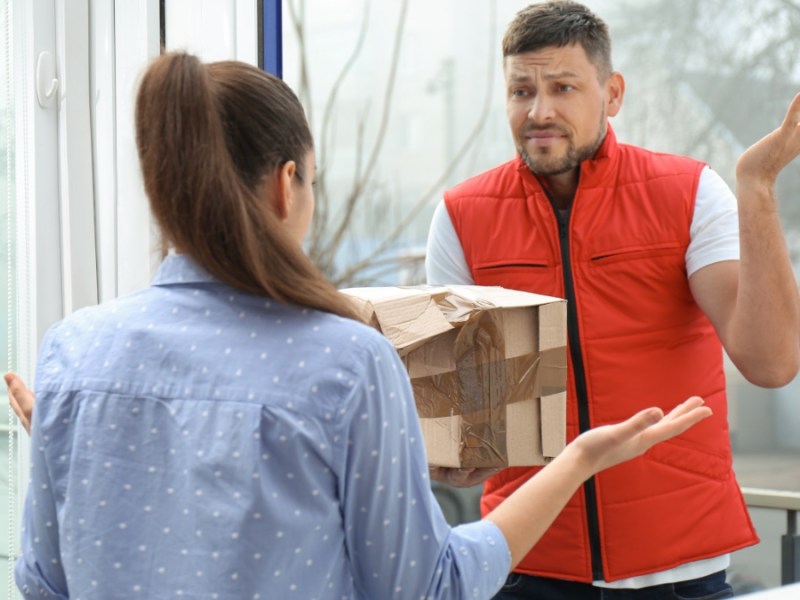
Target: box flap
[(552, 325), (524, 436), (442, 441), (407, 316), (487, 367), (554, 424), (495, 296)]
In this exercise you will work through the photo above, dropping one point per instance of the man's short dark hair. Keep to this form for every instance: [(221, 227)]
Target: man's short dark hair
[(560, 23)]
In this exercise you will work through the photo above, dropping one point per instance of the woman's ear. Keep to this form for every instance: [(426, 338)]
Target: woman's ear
[(283, 189)]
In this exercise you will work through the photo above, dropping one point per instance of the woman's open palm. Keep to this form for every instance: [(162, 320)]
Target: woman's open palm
[(609, 445)]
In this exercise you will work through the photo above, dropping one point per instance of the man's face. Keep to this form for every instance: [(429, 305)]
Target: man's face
[(557, 107)]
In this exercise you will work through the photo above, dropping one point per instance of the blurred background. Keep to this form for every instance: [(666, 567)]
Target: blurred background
[(405, 98)]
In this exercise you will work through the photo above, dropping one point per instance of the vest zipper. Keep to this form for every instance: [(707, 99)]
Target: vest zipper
[(579, 375)]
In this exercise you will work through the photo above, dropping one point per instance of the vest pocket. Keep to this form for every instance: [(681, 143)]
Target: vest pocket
[(501, 273), (600, 258)]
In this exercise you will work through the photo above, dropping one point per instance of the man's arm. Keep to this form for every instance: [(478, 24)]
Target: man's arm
[(753, 303), (444, 258)]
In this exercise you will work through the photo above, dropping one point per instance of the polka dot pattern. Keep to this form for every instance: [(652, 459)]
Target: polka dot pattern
[(212, 444)]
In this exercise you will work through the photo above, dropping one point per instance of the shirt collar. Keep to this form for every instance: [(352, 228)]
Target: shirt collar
[(180, 268)]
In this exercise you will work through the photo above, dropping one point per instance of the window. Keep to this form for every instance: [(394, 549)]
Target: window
[(10, 474), (10, 242), (703, 79)]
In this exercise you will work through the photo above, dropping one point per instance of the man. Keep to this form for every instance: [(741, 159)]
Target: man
[(660, 275)]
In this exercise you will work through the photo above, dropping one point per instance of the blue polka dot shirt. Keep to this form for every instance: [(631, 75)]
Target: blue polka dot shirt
[(190, 440)]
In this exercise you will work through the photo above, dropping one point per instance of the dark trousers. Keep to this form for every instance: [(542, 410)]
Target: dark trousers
[(519, 586)]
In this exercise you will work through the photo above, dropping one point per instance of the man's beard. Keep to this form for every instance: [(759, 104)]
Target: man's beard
[(548, 165)]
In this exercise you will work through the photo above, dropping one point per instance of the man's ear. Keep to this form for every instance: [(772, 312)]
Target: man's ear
[(615, 90), (283, 189)]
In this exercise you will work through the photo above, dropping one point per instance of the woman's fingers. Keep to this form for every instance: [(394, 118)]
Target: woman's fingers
[(612, 444), (686, 406), (20, 398), (682, 417)]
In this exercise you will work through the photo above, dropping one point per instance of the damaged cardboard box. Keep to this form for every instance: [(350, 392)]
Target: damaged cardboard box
[(487, 365)]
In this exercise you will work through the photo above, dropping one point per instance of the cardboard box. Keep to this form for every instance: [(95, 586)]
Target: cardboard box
[(487, 365)]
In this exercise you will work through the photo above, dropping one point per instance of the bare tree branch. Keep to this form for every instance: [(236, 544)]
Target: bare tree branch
[(321, 220), (361, 183), (330, 231), (423, 201), (298, 19)]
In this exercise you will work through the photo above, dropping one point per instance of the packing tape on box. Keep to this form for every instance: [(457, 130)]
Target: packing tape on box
[(483, 383), (512, 380)]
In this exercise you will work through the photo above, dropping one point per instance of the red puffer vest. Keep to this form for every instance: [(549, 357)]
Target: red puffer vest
[(636, 339)]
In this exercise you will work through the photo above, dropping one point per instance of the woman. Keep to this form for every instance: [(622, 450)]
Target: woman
[(232, 431)]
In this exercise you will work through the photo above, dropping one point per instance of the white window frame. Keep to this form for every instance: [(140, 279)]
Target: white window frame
[(85, 233), (213, 29), (125, 37)]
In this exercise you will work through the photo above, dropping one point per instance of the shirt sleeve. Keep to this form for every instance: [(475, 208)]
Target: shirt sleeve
[(715, 224), (444, 258), (398, 540), (38, 570)]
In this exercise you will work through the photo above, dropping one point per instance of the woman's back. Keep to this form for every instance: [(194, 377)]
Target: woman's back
[(199, 441)]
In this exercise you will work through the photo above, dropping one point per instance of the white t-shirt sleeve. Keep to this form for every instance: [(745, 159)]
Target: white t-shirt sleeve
[(444, 258), (715, 224)]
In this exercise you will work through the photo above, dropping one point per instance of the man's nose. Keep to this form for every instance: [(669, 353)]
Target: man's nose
[(541, 109)]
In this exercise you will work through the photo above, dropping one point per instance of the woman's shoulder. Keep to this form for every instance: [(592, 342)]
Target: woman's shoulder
[(349, 334)]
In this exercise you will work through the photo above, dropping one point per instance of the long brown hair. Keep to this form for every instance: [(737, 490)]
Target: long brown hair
[(209, 138)]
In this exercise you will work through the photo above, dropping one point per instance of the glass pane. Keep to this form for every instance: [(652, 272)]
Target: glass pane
[(8, 470), (708, 85), (410, 96)]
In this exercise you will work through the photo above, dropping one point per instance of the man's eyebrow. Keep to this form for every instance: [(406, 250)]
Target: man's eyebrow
[(560, 75), (548, 75), (519, 78)]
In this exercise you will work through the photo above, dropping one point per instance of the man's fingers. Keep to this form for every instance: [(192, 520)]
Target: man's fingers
[(793, 113)]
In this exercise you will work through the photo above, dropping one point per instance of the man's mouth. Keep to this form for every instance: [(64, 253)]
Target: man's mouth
[(543, 137)]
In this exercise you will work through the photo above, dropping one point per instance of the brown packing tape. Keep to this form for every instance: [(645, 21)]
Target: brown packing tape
[(459, 309), (514, 330), (483, 426), (484, 443), (513, 380), (410, 321), (479, 353), (552, 371), (532, 433), (480, 359), (432, 358)]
